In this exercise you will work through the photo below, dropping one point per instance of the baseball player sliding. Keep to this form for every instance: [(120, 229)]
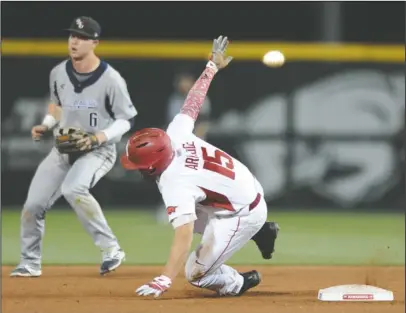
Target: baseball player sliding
[(91, 104), (205, 190)]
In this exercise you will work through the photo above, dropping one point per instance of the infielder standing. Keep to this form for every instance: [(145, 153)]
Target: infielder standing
[(86, 94)]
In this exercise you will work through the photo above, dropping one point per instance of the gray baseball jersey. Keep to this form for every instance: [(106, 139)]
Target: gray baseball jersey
[(91, 104)]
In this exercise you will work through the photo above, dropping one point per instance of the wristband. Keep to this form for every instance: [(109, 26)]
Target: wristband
[(212, 65), (49, 121), (165, 280)]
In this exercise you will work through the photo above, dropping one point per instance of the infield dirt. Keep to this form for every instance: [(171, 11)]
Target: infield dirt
[(79, 289)]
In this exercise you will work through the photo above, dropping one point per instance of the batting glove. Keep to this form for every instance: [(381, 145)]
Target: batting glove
[(218, 54), (156, 287)]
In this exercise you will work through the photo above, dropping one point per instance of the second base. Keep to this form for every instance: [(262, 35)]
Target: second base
[(355, 293)]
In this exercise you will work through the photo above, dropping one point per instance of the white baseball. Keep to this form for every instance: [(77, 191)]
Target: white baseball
[(274, 58)]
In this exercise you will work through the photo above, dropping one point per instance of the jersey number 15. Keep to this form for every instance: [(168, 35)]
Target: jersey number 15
[(215, 163)]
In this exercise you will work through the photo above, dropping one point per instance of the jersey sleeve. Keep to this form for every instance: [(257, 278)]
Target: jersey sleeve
[(53, 87), (119, 99), (180, 205), (180, 126)]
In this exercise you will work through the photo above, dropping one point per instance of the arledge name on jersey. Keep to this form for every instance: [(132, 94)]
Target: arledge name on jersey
[(192, 160)]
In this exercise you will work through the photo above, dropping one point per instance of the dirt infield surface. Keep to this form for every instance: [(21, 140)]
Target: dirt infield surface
[(283, 290)]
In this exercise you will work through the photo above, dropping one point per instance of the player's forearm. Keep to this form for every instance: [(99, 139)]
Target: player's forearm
[(197, 94), (55, 110), (53, 116), (117, 129), (179, 250)]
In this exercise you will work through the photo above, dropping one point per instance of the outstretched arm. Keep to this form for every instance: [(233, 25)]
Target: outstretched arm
[(197, 94), (184, 122)]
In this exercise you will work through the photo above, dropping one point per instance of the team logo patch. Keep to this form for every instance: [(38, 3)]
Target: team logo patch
[(79, 23), (171, 209)]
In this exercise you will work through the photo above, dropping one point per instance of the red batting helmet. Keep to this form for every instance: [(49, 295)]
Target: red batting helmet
[(148, 150)]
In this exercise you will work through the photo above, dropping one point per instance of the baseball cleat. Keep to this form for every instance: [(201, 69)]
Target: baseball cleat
[(25, 271), (265, 239), (251, 280), (112, 259)]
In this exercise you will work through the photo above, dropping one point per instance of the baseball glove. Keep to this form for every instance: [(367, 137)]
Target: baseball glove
[(71, 140)]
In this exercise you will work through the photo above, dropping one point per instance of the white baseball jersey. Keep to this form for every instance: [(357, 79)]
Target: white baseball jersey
[(92, 104), (203, 174)]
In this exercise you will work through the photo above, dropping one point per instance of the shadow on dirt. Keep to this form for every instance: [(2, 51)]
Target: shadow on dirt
[(251, 294)]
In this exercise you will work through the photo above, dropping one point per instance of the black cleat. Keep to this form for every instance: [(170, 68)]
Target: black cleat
[(251, 280), (265, 239)]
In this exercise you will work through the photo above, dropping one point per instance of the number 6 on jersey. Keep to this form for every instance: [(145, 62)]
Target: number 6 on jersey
[(93, 119)]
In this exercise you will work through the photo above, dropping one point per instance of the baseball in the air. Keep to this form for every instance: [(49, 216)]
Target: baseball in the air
[(274, 58)]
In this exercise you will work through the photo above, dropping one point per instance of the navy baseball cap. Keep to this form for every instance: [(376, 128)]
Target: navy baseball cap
[(86, 27)]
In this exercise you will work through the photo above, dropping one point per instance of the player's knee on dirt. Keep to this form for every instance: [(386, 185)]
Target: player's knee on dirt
[(193, 270)]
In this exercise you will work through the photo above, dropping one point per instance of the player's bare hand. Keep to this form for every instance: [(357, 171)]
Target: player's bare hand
[(37, 131), (156, 287), (218, 52)]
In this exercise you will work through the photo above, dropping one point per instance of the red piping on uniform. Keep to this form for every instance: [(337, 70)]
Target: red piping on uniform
[(231, 238)]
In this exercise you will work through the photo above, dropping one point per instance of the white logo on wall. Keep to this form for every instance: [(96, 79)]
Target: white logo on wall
[(353, 103), (79, 23)]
